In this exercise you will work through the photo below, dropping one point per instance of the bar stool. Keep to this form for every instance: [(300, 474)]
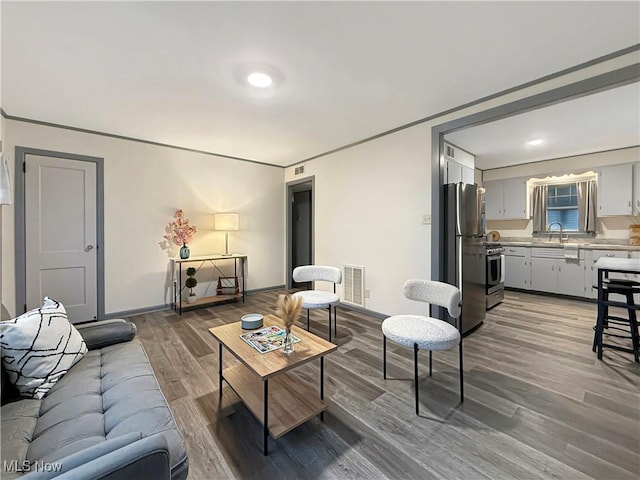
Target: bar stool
[(626, 288)]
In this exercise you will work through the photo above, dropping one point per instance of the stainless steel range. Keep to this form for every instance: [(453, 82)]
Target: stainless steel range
[(494, 274)]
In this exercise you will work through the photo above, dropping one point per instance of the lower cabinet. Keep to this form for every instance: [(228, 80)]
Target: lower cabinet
[(591, 275), (544, 274), (543, 270), (558, 275), (517, 268)]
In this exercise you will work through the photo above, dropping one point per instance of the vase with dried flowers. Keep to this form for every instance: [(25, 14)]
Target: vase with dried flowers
[(289, 307), (180, 232)]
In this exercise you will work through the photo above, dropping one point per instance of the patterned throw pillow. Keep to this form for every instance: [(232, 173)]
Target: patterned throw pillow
[(39, 347)]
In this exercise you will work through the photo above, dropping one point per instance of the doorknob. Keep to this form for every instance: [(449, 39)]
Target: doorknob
[(88, 248)]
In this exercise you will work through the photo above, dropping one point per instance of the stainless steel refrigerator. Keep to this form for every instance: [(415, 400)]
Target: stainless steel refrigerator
[(465, 258)]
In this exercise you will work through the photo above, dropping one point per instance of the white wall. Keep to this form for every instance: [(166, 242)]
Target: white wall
[(144, 185), (610, 228), (359, 188), (369, 205)]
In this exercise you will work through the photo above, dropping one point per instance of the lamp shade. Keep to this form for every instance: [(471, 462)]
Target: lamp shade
[(226, 221)]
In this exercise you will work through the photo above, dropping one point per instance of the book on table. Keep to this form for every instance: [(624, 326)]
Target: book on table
[(267, 339)]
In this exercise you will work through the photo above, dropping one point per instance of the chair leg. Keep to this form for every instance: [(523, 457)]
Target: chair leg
[(633, 326), (430, 361), (461, 373), (307, 319), (415, 375), (335, 321), (384, 357), (329, 323), (605, 297)]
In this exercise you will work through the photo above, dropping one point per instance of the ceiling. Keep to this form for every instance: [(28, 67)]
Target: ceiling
[(603, 121), (171, 72)]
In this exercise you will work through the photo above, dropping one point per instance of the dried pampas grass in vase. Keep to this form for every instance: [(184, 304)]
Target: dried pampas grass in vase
[(289, 307)]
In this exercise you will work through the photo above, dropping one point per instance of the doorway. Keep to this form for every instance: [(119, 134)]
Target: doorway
[(59, 232), (300, 227)]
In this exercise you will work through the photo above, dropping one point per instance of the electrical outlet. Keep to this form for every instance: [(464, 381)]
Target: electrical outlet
[(367, 293), (426, 219)]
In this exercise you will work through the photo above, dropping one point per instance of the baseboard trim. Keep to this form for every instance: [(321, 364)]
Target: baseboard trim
[(136, 311), (264, 289), (371, 313)]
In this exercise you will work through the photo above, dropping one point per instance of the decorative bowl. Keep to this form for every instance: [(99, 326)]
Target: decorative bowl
[(251, 321)]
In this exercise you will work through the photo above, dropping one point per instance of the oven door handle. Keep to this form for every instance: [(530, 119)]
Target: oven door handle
[(502, 267)]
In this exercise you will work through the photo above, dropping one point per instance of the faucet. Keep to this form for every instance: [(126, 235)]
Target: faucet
[(562, 237)]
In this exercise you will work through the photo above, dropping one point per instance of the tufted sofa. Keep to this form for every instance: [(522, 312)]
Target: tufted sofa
[(105, 419)]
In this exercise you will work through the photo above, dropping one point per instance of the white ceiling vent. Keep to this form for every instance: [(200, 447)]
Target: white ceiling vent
[(353, 285)]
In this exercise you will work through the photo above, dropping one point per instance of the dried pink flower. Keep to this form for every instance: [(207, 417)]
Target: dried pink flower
[(180, 231)]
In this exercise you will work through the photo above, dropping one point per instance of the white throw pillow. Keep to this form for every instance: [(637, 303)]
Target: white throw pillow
[(39, 347)]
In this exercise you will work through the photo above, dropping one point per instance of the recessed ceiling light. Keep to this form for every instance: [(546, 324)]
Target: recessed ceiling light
[(537, 141), (259, 79)]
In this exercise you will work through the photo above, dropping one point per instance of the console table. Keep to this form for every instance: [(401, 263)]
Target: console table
[(217, 262)]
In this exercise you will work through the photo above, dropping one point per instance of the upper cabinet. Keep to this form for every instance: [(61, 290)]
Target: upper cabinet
[(459, 165), (506, 199), (457, 173), (615, 187)]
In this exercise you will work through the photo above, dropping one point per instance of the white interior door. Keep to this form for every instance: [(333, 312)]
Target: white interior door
[(60, 228)]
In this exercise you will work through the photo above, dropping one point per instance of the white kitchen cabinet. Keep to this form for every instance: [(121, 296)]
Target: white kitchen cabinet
[(544, 274), (506, 199), (517, 271), (456, 173), (493, 200), (561, 275), (515, 198), (591, 276), (571, 277), (615, 190)]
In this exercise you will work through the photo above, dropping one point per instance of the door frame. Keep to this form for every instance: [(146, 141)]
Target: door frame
[(20, 223), (598, 83), (291, 187)]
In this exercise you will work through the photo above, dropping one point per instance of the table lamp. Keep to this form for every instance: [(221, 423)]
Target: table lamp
[(226, 222)]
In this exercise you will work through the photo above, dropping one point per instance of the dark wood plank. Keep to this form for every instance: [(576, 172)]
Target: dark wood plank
[(538, 403)]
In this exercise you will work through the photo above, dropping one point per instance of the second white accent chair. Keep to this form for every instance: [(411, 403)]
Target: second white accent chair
[(426, 333), (319, 299)]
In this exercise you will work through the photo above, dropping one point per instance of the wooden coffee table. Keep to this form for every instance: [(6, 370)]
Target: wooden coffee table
[(294, 402)]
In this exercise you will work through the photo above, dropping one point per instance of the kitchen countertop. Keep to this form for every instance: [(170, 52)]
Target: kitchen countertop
[(556, 244)]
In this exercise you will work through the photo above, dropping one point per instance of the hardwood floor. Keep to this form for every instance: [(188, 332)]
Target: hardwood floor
[(538, 404)]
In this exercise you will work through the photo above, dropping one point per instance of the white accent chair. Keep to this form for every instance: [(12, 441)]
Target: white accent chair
[(319, 299), (426, 333)]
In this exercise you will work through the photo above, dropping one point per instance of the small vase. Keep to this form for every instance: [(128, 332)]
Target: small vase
[(184, 251), (288, 343)]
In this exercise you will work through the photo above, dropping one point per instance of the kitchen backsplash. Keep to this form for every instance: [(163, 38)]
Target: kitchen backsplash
[(613, 230)]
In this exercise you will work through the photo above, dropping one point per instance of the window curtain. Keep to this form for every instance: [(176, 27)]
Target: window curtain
[(539, 208), (587, 192)]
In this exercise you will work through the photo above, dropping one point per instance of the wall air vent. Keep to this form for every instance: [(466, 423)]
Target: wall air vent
[(450, 151), (299, 170), (353, 285)]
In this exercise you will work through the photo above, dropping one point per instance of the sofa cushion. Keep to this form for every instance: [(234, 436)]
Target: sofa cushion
[(109, 393), (17, 424), (39, 347)]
